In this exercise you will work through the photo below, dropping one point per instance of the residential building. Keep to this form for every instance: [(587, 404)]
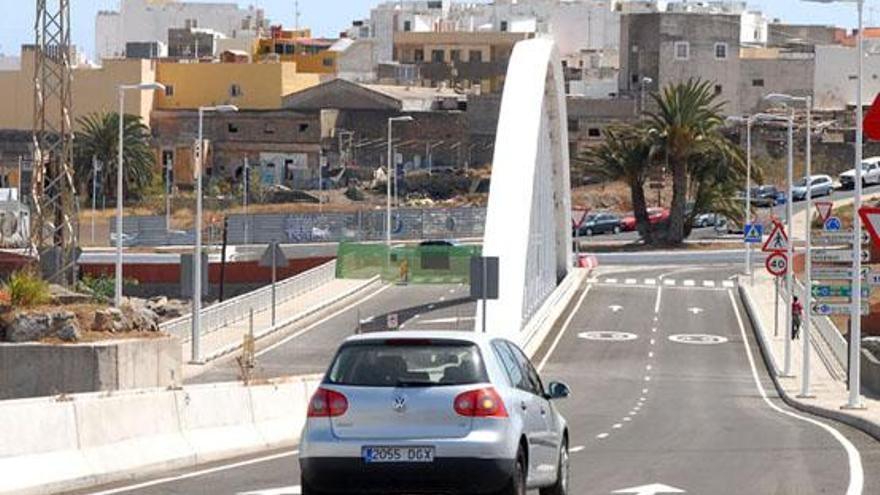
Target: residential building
[(835, 83), (355, 59), (788, 70), (8, 62), (283, 145), (94, 90), (252, 86), (150, 20), (190, 42), (146, 49), (312, 55), (458, 59), (781, 34)]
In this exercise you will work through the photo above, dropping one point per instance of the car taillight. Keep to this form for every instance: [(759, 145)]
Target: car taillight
[(480, 403), (327, 404)]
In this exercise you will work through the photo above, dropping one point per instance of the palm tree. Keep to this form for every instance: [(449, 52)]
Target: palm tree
[(688, 115), (98, 138), (625, 156)]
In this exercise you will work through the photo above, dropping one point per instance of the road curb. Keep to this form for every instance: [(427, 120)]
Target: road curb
[(841, 416)]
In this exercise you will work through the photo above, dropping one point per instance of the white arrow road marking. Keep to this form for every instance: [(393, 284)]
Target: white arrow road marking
[(611, 336), (695, 311), (698, 339), (615, 308), (285, 490), (652, 489)]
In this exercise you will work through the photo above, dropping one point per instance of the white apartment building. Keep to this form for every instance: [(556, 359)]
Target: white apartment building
[(149, 20)]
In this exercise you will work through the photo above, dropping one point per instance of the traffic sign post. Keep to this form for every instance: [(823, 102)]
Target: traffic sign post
[(831, 309), (837, 255), (777, 264), (841, 238), (271, 259), (830, 291)]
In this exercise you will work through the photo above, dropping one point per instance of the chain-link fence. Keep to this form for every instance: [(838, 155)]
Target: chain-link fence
[(412, 264)]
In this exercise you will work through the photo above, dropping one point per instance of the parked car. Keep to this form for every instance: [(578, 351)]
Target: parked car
[(600, 223), (870, 174), (765, 196), (628, 222), (657, 215), (704, 220), (434, 412), (820, 185)]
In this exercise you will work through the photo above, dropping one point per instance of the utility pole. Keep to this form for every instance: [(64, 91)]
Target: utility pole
[(296, 15)]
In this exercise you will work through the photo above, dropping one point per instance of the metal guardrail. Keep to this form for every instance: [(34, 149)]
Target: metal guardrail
[(234, 310)]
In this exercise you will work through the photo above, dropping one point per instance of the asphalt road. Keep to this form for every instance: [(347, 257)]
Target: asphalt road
[(310, 349), (646, 408)]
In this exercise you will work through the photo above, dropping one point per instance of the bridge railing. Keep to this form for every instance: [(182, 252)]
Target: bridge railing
[(237, 309)]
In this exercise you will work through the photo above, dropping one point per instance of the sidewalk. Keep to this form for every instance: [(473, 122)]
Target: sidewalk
[(827, 375), (231, 337)]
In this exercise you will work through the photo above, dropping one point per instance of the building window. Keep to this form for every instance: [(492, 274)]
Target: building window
[(721, 51), (682, 50), (232, 128), (328, 62), (407, 26), (635, 78), (437, 56), (503, 26), (269, 129), (419, 55), (303, 127), (169, 90), (475, 56), (718, 89), (235, 90), (455, 55), (594, 132), (573, 125), (757, 83)]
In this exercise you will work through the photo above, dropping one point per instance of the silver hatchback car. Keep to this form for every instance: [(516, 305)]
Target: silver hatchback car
[(434, 412)]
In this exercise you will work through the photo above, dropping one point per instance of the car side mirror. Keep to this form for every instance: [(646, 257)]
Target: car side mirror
[(558, 390)]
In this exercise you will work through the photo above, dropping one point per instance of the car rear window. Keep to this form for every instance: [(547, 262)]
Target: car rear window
[(407, 364)]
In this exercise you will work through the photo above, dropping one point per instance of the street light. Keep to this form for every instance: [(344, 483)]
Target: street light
[(117, 299), (855, 331), (784, 99), (388, 168), (197, 255)]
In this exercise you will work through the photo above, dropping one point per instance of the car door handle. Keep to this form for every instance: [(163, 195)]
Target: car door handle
[(523, 406)]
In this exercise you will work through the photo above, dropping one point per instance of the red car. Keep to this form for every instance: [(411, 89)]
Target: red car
[(655, 216)]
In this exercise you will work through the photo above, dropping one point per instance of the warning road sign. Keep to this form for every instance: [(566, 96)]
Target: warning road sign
[(753, 233), (871, 218), (778, 240)]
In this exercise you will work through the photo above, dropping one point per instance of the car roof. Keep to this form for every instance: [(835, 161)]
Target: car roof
[(476, 338)]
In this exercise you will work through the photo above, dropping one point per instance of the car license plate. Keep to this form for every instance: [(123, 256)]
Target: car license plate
[(375, 455)]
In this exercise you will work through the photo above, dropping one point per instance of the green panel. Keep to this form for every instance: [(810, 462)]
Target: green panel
[(426, 264)]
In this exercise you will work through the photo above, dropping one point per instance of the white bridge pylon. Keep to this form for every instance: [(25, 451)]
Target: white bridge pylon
[(528, 220)]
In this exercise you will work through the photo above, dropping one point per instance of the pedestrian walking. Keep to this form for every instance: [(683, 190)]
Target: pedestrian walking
[(797, 313)]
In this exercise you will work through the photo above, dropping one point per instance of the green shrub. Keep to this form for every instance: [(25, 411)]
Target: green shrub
[(26, 289), (102, 288)]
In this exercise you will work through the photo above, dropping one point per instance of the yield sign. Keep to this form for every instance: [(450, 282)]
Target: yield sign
[(872, 120), (871, 218), (824, 209), (778, 240)]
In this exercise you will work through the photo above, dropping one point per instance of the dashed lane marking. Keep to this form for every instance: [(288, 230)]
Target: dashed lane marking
[(602, 436), (630, 281), (617, 426), (689, 283), (650, 281), (576, 449), (610, 280), (708, 283), (728, 284), (669, 281)]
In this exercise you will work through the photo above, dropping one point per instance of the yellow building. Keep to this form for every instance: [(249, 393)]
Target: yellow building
[(94, 90), (311, 55), (251, 86)]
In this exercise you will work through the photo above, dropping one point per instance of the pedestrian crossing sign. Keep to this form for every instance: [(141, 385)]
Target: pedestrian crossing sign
[(778, 240), (753, 233)]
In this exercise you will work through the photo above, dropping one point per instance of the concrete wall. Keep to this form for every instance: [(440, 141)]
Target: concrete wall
[(835, 84), (36, 370), (787, 76), (94, 90)]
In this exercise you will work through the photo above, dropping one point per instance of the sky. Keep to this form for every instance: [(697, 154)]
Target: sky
[(328, 17)]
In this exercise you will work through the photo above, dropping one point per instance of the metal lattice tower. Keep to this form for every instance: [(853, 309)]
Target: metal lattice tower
[(55, 229)]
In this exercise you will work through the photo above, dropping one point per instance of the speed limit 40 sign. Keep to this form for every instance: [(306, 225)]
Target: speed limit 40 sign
[(777, 264)]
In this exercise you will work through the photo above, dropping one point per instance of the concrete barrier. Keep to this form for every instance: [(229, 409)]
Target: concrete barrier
[(84, 440), (533, 335)]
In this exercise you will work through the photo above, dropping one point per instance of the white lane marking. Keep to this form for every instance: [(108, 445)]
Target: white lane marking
[(608, 336), (651, 354), (652, 341), (650, 281), (602, 436), (698, 339), (627, 418), (644, 391), (654, 330), (442, 298), (657, 302), (669, 281), (689, 283), (656, 319), (284, 490), (856, 473), (630, 281), (617, 426), (647, 378), (196, 474), (695, 310), (610, 280), (642, 399), (452, 291), (565, 326), (592, 280), (451, 319), (318, 323), (708, 283), (615, 308), (728, 284), (576, 449), (648, 367)]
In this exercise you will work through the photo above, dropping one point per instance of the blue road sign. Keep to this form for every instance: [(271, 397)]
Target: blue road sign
[(832, 224), (753, 233)]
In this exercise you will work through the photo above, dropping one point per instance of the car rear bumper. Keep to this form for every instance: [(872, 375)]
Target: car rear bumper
[(444, 475)]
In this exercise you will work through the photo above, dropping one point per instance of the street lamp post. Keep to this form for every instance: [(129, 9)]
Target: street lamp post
[(389, 168), (197, 255), (855, 332), (117, 297), (808, 237)]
